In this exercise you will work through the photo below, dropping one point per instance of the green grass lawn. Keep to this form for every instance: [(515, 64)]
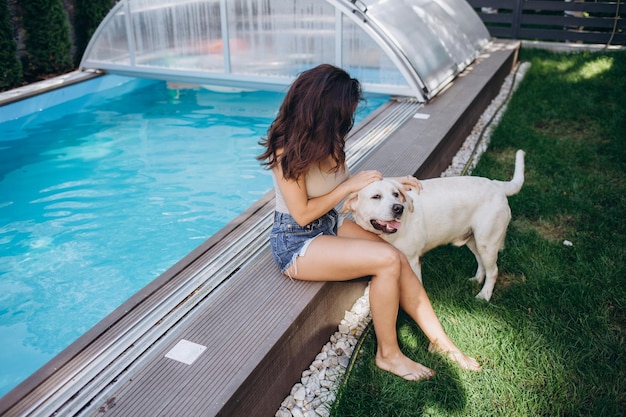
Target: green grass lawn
[(551, 341)]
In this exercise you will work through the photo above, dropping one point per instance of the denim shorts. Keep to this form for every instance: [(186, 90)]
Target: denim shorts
[(289, 240)]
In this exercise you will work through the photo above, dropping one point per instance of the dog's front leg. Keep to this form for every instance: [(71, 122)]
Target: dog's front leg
[(416, 265)]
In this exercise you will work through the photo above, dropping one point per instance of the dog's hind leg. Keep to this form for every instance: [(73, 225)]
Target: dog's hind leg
[(488, 251), (480, 270), (491, 275)]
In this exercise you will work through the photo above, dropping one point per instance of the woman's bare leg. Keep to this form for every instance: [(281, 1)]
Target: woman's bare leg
[(415, 301), (338, 258)]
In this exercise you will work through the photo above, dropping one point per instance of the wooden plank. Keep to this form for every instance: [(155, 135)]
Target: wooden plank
[(607, 7), (559, 22), (574, 35)]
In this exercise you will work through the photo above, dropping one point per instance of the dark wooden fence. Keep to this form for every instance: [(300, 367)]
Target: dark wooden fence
[(593, 22)]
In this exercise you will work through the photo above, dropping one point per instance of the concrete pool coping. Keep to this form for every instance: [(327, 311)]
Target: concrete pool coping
[(259, 328), (40, 87)]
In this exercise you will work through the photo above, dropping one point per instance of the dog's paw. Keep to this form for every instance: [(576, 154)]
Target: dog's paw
[(479, 280), (484, 295)]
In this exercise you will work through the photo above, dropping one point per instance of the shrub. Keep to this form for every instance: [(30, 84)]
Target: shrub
[(47, 39), (10, 66)]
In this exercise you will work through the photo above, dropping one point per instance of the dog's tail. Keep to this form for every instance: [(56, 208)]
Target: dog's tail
[(512, 187)]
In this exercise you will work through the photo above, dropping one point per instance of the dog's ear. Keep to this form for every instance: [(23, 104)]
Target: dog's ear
[(406, 197), (348, 205)]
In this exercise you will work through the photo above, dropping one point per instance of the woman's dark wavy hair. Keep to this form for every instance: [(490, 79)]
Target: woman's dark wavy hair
[(313, 121)]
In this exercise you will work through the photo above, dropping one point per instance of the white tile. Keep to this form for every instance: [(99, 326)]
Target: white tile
[(185, 351)]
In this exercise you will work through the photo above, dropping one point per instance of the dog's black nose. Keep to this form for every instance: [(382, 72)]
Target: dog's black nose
[(397, 209)]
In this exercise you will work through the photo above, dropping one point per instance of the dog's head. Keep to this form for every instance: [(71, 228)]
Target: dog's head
[(379, 207)]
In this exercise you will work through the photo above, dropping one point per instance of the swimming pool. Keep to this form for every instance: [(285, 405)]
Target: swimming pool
[(101, 193)]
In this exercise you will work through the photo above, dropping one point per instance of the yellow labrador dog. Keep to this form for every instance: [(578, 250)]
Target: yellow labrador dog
[(470, 211)]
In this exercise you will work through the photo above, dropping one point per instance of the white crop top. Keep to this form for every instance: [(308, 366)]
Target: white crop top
[(318, 183)]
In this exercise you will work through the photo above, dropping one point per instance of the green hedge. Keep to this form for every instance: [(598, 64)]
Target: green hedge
[(10, 66), (47, 39)]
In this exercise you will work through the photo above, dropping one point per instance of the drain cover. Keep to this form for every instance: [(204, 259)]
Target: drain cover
[(185, 351)]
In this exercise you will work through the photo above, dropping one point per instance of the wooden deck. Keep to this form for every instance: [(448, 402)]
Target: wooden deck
[(259, 329)]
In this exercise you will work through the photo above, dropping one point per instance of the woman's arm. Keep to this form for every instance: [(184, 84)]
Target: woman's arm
[(305, 210)]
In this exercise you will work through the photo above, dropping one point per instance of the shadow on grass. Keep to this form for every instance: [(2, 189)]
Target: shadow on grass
[(381, 393)]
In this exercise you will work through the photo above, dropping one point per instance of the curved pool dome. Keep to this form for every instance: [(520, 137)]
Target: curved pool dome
[(397, 47)]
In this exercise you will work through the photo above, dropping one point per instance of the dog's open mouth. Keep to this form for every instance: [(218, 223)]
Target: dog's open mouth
[(391, 226)]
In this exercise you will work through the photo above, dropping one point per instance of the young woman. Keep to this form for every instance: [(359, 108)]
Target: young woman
[(304, 149)]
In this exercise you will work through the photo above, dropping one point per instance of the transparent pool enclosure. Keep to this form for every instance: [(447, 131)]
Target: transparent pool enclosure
[(398, 47)]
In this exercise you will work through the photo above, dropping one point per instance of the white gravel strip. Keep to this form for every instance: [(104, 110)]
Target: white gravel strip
[(314, 395)]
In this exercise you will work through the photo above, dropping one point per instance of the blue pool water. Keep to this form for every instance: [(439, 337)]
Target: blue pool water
[(100, 193)]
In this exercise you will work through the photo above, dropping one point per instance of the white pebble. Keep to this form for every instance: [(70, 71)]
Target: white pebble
[(300, 394), (322, 412), (344, 328), (288, 402), (283, 413)]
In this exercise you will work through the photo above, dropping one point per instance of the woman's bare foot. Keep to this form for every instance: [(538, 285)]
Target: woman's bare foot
[(463, 361), (404, 368)]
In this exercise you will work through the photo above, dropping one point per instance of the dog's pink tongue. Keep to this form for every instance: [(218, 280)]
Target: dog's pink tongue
[(392, 224)]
